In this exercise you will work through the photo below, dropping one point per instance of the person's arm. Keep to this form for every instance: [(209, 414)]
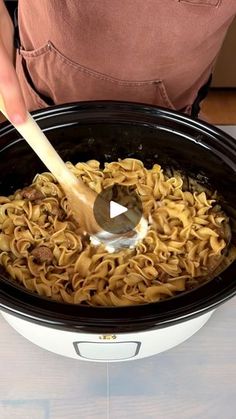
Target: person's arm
[(9, 84)]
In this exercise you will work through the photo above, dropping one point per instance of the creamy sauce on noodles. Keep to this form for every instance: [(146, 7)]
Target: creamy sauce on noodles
[(43, 248)]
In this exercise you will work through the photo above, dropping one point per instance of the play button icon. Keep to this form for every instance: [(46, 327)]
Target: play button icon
[(118, 209)]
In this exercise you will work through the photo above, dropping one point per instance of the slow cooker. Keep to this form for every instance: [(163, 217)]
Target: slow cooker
[(107, 131)]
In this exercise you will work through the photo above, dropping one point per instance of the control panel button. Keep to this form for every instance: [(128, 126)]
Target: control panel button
[(114, 351)]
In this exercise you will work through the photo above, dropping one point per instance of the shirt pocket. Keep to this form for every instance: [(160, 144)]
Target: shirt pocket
[(55, 79), (213, 3)]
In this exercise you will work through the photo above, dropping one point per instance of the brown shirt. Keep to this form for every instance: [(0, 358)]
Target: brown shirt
[(154, 51)]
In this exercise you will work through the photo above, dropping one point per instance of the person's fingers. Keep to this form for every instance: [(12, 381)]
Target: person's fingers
[(10, 89)]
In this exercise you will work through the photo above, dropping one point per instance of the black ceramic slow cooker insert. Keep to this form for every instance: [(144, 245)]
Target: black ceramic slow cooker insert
[(106, 131)]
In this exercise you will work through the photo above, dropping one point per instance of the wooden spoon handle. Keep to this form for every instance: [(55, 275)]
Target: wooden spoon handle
[(35, 137)]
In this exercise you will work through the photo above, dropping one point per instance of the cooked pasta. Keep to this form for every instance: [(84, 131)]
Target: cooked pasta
[(41, 246)]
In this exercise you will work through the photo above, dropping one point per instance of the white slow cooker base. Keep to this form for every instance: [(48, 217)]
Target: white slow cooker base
[(107, 347)]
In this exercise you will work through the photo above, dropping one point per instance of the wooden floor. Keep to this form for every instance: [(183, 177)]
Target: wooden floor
[(219, 107)]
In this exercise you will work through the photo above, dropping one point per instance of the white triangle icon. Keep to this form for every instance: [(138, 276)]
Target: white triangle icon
[(116, 209)]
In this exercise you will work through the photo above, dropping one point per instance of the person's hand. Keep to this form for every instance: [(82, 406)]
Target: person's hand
[(9, 84)]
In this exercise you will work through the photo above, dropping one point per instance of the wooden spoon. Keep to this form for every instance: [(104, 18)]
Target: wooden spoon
[(80, 196)]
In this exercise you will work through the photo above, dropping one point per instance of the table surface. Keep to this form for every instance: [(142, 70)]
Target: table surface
[(196, 380)]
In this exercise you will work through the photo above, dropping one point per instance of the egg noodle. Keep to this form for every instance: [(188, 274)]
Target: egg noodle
[(41, 246)]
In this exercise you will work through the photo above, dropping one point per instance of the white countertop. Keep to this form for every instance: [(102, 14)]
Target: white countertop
[(196, 380), (230, 129)]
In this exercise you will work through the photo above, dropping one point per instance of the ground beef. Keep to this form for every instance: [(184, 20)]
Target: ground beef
[(42, 254), (61, 215), (59, 212), (31, 193)]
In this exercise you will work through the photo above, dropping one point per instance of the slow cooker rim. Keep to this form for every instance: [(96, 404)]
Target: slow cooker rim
[(100, 105), (16, 299), (106, 323), (87, 322)]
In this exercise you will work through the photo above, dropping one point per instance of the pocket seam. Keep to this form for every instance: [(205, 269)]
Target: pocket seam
[(165, 96), (92, 73), (100, 76), (35, 52), (204, 3)]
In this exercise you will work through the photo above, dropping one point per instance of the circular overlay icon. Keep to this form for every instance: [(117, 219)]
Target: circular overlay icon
[(118, 209)]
